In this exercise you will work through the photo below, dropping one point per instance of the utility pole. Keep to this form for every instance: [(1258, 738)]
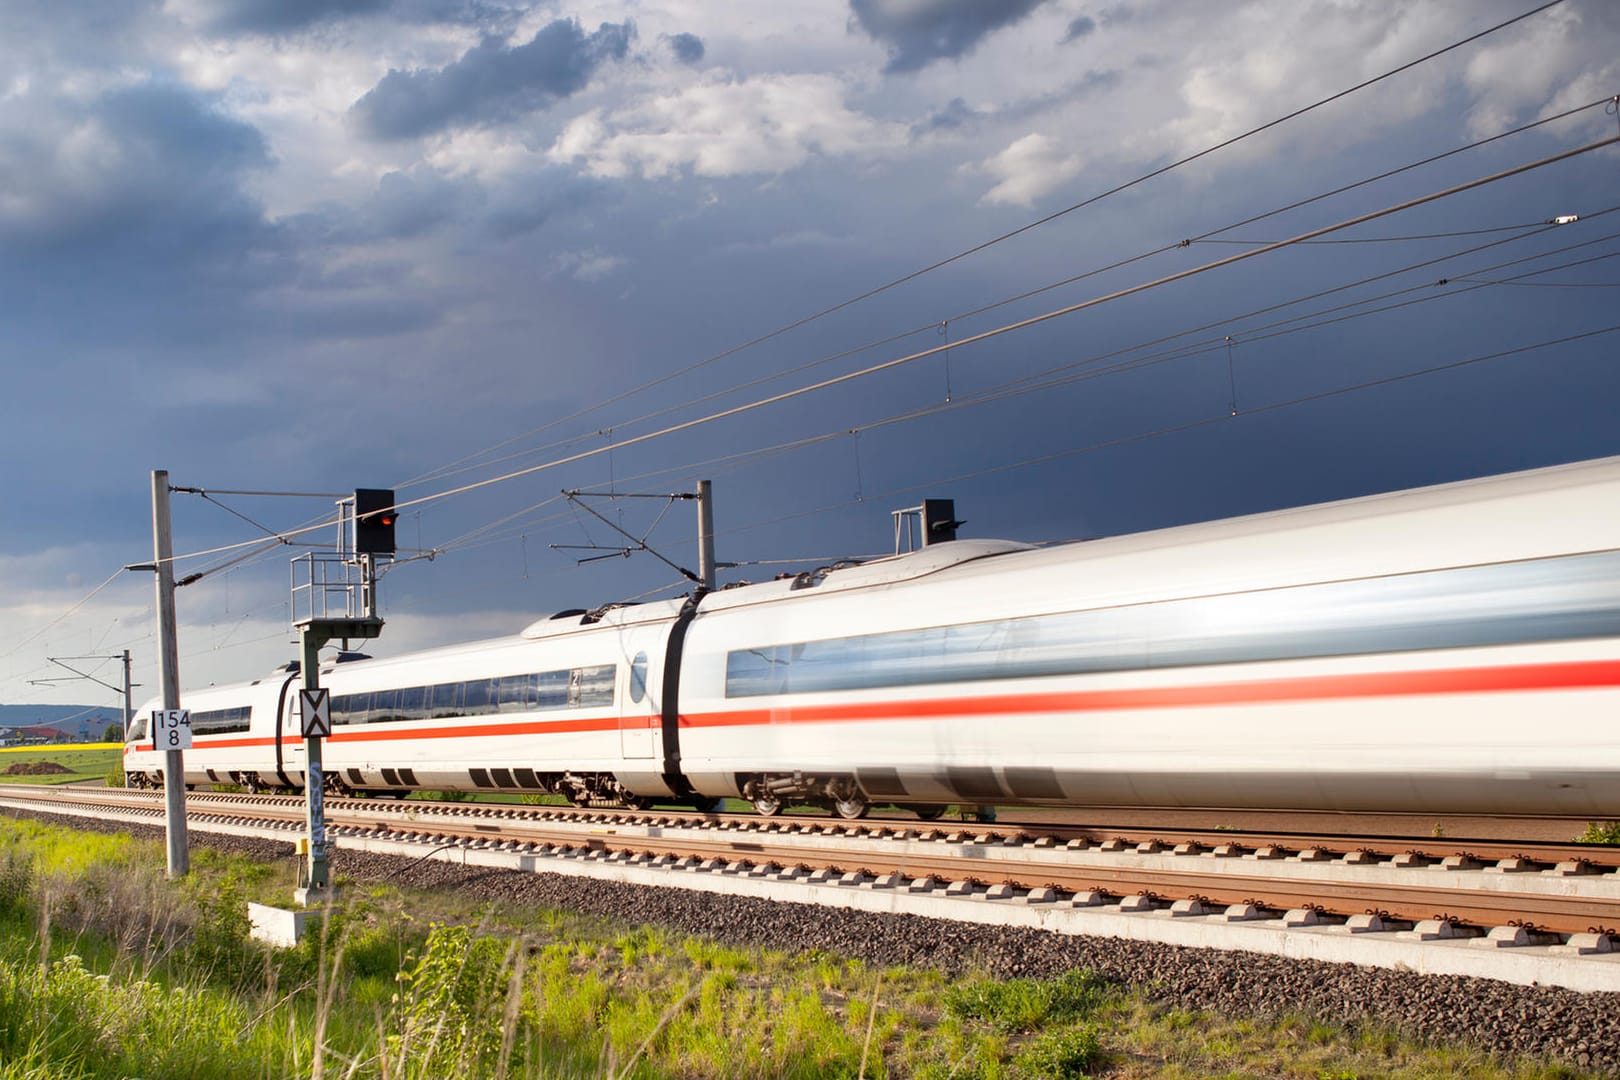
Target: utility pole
[(174, 776), (705, 501), (129, 702), (62, 661)]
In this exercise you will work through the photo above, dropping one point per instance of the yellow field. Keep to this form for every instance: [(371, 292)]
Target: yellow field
[(61, 746)]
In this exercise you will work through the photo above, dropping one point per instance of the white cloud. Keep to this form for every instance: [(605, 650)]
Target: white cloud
[(1028, 169), (589, 265), (726, 127)]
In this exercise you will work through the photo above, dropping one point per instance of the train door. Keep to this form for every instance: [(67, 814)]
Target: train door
[(640, 715)]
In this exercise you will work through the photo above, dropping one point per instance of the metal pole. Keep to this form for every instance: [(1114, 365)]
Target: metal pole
[(129, 705), (174, 776), (317, 879), (705, 501)]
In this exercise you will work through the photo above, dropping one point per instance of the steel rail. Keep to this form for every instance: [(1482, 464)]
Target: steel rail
[(1583, 899)]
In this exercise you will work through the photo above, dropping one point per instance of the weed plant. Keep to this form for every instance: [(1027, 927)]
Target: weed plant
[(109, 971)]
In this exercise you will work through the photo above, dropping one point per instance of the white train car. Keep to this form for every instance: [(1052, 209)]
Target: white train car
[(235, 737), (1451, 649), (1448, 649)]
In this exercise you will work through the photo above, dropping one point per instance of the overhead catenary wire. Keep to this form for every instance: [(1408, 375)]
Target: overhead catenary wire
[(1205, 237), (972, 339), (1033, 320), (1003, 237), (1221, 417)]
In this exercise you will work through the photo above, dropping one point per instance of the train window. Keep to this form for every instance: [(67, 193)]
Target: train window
[(412, 704), (517, 693), (553, 690), (384, 706), (592, 686), (137, 730), (220, 721), (445, 700), (638, 677), (478, 697), (1559, 599)]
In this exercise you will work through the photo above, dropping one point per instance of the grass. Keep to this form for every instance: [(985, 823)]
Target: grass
[(84, 761), (108, 970)]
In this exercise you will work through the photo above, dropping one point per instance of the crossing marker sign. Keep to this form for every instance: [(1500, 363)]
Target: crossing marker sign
[(316, 707)]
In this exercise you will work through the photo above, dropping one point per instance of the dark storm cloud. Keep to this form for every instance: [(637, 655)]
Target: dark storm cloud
[(917, 34), (145, 232), (492, 81), (688, 48), (284, 16), (1080, 27), (955, 115), (170, 173)]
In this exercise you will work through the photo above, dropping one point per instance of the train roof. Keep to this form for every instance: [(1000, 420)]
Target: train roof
[(1563, 509)]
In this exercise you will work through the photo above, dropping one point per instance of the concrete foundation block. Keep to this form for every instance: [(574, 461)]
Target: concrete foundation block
[(1302, 917), (278, 927), (922, 884), (1043, 895), (1366, 924), (1136, 903), (1089, 898), (1243, 913), (1184, 908), (960, 888), (999, 892)]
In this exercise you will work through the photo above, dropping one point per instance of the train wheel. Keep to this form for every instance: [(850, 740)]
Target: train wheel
[(929, 811), (635, 802), (850, 807), (767, 805)]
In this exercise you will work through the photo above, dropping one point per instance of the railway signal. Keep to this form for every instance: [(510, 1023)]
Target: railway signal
[(374, 519)]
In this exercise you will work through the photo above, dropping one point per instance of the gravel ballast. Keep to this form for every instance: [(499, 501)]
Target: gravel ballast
[(1583, 1029)]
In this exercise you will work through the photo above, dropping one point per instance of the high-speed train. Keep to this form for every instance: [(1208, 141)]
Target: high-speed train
[(1453, 649)]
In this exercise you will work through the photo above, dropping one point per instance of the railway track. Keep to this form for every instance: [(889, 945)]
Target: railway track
[(1555, 901)]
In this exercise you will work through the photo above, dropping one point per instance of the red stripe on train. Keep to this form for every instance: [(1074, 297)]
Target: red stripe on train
[(1570, 676), (1595, 674)]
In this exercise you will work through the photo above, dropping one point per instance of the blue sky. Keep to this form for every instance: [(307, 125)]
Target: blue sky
[(316, 245)]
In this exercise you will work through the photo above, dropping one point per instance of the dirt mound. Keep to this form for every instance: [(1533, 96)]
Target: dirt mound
[(37, 768)]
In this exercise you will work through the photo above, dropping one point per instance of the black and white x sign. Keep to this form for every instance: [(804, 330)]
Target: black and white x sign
[(317, 713)]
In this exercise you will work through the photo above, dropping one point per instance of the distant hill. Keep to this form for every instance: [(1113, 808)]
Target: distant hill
[(77, 723)]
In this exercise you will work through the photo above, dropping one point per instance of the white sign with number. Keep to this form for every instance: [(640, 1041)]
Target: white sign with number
[(171, 729)]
